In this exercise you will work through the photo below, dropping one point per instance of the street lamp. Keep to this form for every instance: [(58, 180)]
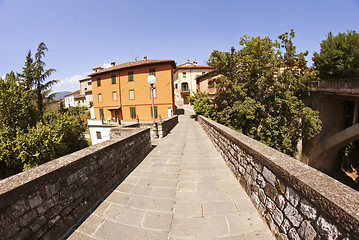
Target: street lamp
[(151, 80)]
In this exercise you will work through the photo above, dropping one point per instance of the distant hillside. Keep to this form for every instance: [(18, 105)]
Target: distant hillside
[(60, 95)]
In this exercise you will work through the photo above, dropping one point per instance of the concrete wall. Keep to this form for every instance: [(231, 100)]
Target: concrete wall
[(44, 202), (332, 114), (296, 200)]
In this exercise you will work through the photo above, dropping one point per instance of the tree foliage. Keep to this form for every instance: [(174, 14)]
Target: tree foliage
[(261, 91), (203, 104), (27, 138), (339, 56)]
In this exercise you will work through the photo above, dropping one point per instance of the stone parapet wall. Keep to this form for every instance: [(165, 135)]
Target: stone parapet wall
[(163, 127), (295, 200), (166, 126), (44, 202)]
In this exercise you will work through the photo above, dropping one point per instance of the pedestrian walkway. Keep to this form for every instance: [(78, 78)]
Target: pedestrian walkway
[(181, 190)]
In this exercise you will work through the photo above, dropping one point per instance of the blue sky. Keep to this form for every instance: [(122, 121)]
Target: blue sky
[(82, 34)]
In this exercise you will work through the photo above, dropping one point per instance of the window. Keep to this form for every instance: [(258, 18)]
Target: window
[(132, 94), (133, 112), (101, 113), (85, 89), (130, 76), (155, 111), (185, 87), (184, 75), (98, 135), (100, 97), (113, 77), (152, 71), (154, 93), (114, 96), (176, 86), (98, 82)]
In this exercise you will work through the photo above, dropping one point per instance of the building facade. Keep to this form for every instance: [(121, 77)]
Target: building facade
[(203, 82), (122, 93), (70, 99), (85, 97), (185, 84)]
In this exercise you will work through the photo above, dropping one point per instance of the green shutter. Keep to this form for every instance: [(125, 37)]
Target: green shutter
[(101, 113), (130, 76), (133, 112), (98, 82), (113, 79), (152, 71)]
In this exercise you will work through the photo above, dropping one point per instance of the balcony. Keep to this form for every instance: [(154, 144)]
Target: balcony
[(349, 85)]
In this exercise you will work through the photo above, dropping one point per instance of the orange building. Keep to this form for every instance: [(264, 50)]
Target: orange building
[(121, 92)]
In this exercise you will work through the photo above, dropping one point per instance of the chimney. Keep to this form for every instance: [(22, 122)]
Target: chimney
[(195, 62), (188, 60), (135, 60), (145, 57), (113, 63)]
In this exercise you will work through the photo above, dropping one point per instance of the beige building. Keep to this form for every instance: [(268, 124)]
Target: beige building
[(70, 99), (185, 84), (204, 80), (85, 96)]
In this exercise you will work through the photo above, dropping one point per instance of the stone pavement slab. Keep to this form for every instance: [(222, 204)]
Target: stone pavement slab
[(181, 190)]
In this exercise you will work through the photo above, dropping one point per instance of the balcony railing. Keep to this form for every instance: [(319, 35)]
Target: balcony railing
[(337, 85)]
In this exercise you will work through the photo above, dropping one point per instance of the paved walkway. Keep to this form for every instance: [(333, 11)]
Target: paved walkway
[(181, 190)]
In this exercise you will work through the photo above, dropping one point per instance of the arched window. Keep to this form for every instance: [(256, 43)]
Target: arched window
[(184, 87)]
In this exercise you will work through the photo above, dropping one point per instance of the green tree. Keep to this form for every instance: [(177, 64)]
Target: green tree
[(339, 56), (28, 139), (203, 104), (57, 135), (14, 121), (42, 87), (27, 75), (261, 90)]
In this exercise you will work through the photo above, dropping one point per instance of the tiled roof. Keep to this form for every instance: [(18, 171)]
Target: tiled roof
[(80, 96), (192, 65), (73, 93), (85, 79), (134, 64), (207, 75)]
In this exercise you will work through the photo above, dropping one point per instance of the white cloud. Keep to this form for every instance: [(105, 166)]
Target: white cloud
[(70, 83), (107, 65)]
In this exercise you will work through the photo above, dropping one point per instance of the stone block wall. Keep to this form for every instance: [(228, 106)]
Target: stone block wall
[(44, 202), (295, 200), (167, 125), (163, 127)]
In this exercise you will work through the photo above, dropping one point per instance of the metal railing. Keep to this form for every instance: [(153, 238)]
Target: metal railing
[(349, 85)]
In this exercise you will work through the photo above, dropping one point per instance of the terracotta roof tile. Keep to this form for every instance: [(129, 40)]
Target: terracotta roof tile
[(192, 65), (134, 64), (76, 92)]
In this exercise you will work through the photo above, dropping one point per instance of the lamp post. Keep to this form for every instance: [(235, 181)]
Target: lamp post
[(151, 80)]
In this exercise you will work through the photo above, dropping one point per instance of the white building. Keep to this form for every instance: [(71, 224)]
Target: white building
[(184, 77), (85, 96), (70, 99)]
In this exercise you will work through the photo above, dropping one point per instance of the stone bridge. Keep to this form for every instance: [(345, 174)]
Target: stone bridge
[(337, 103), (202, 181)]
